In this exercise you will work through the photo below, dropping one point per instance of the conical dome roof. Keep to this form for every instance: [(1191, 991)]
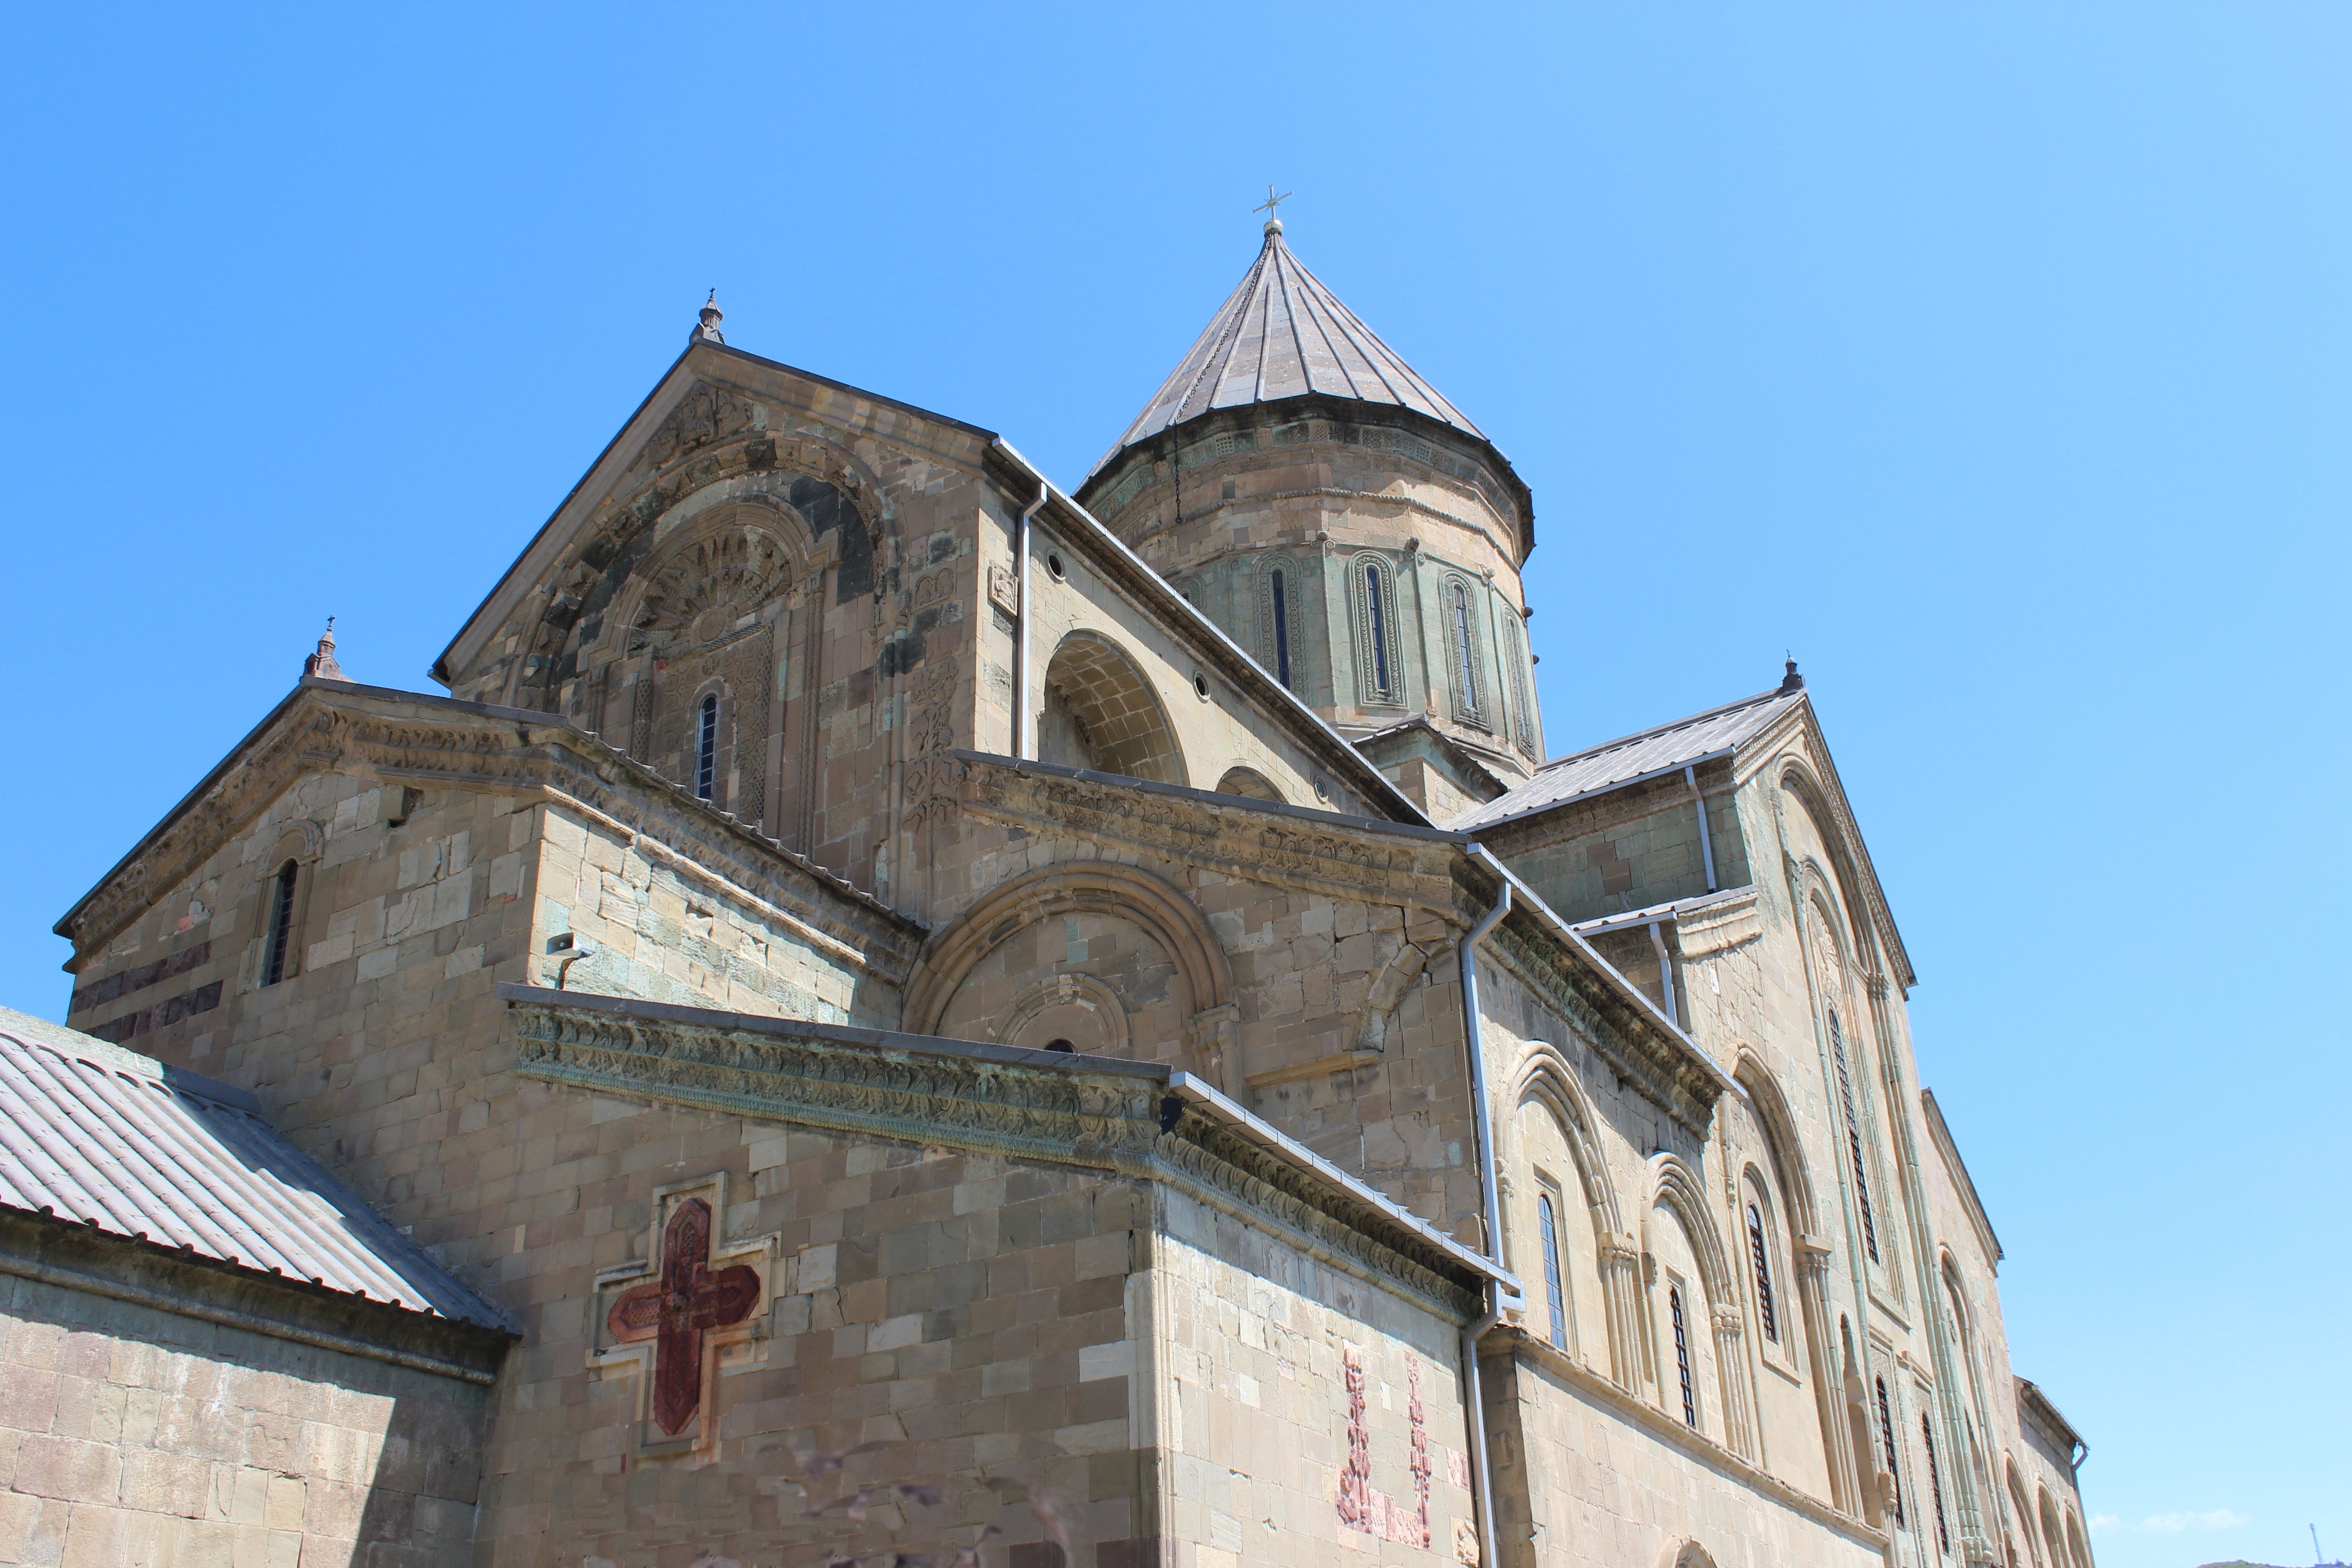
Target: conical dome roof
[(1283, 334)]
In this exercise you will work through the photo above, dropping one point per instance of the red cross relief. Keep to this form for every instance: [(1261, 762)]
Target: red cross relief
[(676, 1311)]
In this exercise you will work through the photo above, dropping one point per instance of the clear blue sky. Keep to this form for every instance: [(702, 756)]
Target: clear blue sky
[(1994, 359)]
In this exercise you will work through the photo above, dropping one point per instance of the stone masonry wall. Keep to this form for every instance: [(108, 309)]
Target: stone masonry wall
[(927, 1319), (1630, 849), (1611, 1485), (131, 1435), (664, 935), (1311, 1420)]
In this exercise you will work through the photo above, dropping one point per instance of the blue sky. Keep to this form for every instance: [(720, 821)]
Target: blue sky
[(1993, 359)]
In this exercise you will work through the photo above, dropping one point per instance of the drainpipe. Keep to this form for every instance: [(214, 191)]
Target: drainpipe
[(1706, 844), (1475, 1403), (1481, 1112), (1474, 1398), (1021, 722), (1665, 974)]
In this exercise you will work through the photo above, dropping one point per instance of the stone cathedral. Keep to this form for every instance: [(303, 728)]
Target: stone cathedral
[(895, 1015)]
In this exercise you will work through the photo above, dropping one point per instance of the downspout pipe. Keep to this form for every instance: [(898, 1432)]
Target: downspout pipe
[(1665, 974), (1022, 738), (1482, 1112), (1483, 1121), (1473, 1401), (1705, 842)]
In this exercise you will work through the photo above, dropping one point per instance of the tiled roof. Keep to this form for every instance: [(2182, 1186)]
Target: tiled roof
[(1283, 334), (1631, 757), (116, 1140)]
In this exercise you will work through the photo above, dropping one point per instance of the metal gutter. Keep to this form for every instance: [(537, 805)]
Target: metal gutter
[(1724, 1083)]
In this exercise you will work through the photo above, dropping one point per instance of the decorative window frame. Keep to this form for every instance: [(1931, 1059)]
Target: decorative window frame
[(1269, 652), (1680, 1382), (723, 773), (1514, 653), (1457, 602), (1779, 1351), (1554, 1267), (1370, 692), (302, 845)]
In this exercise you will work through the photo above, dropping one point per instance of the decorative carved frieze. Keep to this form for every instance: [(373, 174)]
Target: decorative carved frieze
[(1335, 859), (1661, 1069), (1061, 1111)]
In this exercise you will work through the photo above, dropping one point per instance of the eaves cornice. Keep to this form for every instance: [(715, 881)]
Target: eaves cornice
[(1131, 1119), (337, 726)]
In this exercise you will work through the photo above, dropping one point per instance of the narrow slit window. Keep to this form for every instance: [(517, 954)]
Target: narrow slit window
[(1549, 1224), (1763, 1258), (705, 766), (1887, 1436), (1853, 1138), (1682, 1357), (1462, 648), (1934, 1484), (281, 923), (1522, 715), (1281, 630), (1379, 618)]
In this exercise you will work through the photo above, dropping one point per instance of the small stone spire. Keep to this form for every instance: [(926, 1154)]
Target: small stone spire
[(708, 331), (1793, 681), (321, 664)]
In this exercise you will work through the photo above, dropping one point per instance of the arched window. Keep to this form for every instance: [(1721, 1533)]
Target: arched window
[(1886, 1434), (1934, 1484), (1853, 1138), (1523, 718), (1375, 599), (1464, 637), (1761, 1253), (1549, 1224), (281, 924), (706, 753), (1682, 1357)]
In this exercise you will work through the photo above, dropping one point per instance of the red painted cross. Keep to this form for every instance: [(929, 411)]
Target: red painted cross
[(675, 1311)]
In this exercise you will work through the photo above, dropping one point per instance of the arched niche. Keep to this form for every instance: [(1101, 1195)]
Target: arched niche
[(1248, 782), (1130, 941), (1554, 1155), (1685, 1553), (1102, 714), (1680, 1230), (1799, 1258)]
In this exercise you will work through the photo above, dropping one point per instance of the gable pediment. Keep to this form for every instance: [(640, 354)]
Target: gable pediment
[(721, 425)]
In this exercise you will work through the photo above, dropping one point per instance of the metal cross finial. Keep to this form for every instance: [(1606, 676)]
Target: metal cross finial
[(1273, 217)]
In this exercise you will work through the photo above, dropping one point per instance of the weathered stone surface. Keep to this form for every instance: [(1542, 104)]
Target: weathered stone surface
[(1106, 1328)]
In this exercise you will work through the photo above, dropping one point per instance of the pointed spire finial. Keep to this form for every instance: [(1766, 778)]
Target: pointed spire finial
[(321, 664), (1793, 681), (707, 331), (1267, 207)]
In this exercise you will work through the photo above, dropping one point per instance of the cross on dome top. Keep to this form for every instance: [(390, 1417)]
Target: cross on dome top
[(1267, 207)]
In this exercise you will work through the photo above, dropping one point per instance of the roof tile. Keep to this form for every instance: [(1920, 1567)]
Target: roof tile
[(1283, 334), (94, 1133), (1630, 757)]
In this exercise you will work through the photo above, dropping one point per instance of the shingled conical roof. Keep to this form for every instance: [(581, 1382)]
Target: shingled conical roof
[(1283, 334)]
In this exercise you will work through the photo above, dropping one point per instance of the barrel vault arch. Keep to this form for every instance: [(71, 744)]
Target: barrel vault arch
[(1096, 688), (1161, 910)]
